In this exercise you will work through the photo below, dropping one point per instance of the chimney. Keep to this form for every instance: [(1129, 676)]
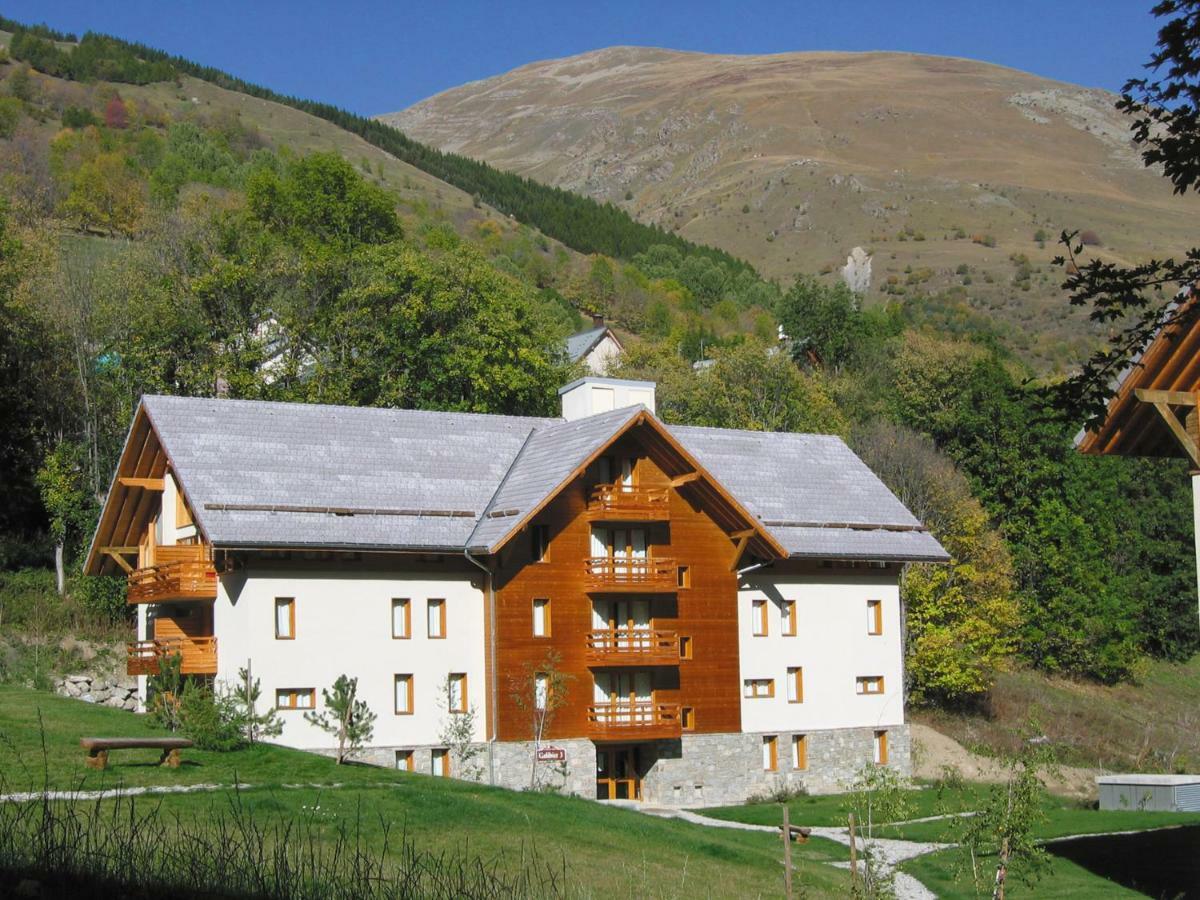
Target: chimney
[(597, 320), (588, 396)]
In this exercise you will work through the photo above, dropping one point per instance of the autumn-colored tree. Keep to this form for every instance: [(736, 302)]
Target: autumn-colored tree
[(115, 113), (106, 195)]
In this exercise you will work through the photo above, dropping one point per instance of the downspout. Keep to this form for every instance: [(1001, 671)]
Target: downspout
[(493, 710)]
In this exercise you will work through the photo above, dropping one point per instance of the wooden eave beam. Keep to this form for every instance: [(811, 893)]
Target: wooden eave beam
[(1185, 440), (737, 555), (744, 533), (149, 484), (685, 479), (111, 553), (1173, 398)]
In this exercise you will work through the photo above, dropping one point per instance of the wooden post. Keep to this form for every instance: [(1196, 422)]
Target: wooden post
[(853, 858), (787, 854), (1001, 871)]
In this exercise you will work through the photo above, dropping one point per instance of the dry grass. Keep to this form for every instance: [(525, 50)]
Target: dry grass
[(1150, 726)]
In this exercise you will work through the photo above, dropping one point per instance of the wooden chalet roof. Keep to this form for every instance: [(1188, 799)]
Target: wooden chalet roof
[(1153, 411)]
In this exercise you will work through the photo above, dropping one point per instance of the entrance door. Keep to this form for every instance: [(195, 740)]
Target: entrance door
[(617, 775)]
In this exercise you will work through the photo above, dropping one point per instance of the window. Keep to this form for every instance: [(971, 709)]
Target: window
[(296, 698), (799, 751), (787, 618), (869, 684), (874, 617), (404, 760), (881, 748), (759, 617), (685, 647), (404, 695), (540, 543), (687, 718), (439, 762), (456, 689), (770, 753), (683, 577), (401, 618), (436, 616), (541, 617), (285, 618), (758, 688), (795, 681), (541, 690)]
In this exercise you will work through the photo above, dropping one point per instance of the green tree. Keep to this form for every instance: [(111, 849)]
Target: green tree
[(105, 194), (71, 506), (254, 725), (346, 717), (539, 690), (823, 322)]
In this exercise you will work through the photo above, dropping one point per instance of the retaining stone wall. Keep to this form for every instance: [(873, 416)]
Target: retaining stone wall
[(117, 691)]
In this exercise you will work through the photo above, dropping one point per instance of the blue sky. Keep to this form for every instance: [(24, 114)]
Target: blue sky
[(374, 57)]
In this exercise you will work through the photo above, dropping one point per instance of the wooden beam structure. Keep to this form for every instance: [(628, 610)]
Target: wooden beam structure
[(1162, 401), (687, 478), (118, 558), (149, 484)]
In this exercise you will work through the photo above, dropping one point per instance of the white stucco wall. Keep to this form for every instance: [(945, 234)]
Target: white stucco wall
[(603, 355), (831, 644), (344, 625)]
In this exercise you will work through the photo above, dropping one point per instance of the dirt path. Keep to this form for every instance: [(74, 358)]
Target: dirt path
[(934, 751)]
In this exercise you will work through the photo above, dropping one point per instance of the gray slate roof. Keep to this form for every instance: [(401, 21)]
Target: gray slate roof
[(580, 345), (416, 480)]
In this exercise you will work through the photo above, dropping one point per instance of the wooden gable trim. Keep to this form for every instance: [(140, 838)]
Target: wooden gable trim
[(149, 484), (644, 418)]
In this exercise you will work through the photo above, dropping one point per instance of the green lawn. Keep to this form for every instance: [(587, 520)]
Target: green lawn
[(606, 851), (1062, 879)]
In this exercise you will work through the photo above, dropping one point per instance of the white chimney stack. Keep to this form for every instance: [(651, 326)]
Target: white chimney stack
[(588, 396)]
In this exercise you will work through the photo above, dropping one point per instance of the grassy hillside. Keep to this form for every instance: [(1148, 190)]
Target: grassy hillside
[(606, 852), (947, 170)]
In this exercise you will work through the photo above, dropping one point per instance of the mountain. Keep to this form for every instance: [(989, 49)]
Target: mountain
[(957, 175)]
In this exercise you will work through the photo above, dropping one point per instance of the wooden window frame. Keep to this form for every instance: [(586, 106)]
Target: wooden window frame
[(409, 762), (683, 577), (546, 627), (539, 537), (687, 718), (291, 604), (796, 683), (771, 744), (800, 752), (440, 604), (404, 603), (863, 685), (410, 694), (686, 646), (750, 688), (788, 619), (294, 696), (759, 621), (442, 753), (875, 625), (880, 748), (463, 703)]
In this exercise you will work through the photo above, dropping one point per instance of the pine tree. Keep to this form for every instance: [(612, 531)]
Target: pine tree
[(345, 716)]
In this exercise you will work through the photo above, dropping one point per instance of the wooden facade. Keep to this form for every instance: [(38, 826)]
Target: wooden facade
[(702, 555)]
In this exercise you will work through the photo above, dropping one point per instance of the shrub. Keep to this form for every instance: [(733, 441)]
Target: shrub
[(78, 117), (211, 720), (1089, 238), (11, 110), (102, 596)]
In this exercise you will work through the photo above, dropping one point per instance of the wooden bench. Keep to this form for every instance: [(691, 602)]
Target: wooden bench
[(98, 748)]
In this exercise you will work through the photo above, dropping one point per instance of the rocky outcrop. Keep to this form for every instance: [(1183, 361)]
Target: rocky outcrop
[(119, 692)]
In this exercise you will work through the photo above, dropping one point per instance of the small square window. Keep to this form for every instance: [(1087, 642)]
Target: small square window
[(541, 617), (687, 718), (285, 618), (404, 760), (683, 577), (799, 751), (881, 748), (874, 617), (787, 618), (685, 647), (404, 695), (539, 543), (401, 618), (758, 688), (758, 618), (795, 684), (869, 684), (456, 689), (439, 762), (770, 753), (296, 698), (436, 618)]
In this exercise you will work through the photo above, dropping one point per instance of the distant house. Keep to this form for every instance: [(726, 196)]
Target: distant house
[(597, 347), (726, 603)]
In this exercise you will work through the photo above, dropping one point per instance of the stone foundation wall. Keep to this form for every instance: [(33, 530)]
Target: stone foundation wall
[(696, 770), (117, 691)]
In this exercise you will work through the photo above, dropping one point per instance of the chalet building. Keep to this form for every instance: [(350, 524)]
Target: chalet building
[(725, 603), (598, 347), (1155, 406)]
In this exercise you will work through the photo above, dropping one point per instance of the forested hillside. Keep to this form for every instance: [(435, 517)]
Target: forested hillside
[(169, 229)]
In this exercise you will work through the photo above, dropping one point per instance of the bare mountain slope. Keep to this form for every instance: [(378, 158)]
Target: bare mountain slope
[(792, 160)]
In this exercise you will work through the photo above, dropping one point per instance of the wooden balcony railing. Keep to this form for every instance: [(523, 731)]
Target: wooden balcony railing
[(627, 573), (632, 647), (628, 720), (199, 655), (181, 573), (627, 503)]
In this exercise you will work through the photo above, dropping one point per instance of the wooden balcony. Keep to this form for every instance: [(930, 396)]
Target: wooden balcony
[(632, 647), (629, 721), (627, 503), (182, 572), (199, 655), (606, 574)]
